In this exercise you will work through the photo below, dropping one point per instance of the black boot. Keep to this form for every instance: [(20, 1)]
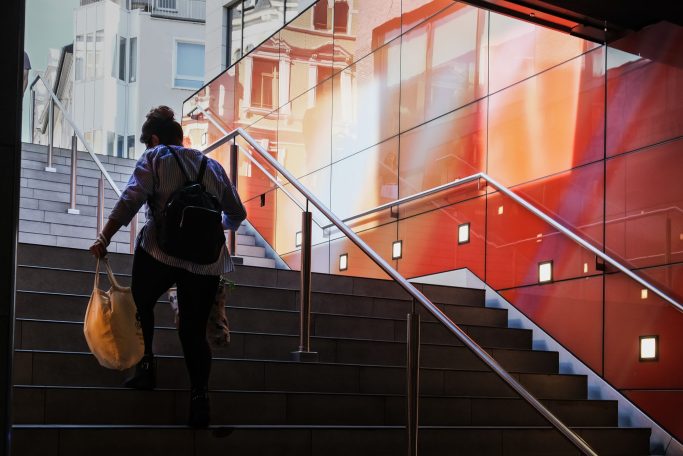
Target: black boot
[(199, 408), (145, 377)]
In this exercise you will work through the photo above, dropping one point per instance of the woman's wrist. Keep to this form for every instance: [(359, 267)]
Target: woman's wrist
[(102, 239)]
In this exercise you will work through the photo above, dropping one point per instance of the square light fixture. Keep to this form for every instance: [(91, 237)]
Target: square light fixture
[(539, 237), (396, 250), (585, 268), (545, 272), (343, 261), (649, 348), (204, 138), (643, 293), (500, 210), (463, 233), (297, 239)]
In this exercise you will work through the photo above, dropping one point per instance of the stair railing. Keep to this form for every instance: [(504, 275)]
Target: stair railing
[(531, 208), (413, 323), (77, 135)]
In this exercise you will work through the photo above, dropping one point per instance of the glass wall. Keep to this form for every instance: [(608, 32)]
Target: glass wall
[(367, 101)]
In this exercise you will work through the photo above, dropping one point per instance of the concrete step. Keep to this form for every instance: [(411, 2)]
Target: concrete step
[(318, 440), (245, 239), (42, 257), (44, 405), (258, 262), (33, 334), (68, 336), (251, 251), (253, 305), (81, 369)]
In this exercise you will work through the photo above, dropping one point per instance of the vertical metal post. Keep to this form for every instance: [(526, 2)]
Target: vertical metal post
[(32, 118), (74, 168), (304, 353), (233, 179), (100, 204), (50, 135), (413, 380), (133, 233)]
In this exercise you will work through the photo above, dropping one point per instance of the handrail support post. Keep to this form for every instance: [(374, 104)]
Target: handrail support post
[(100, 204), (74, 171), (412, 380), (233, 179), (50, 136), (304, 352)]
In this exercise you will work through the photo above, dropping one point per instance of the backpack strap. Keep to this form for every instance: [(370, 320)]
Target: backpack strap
[(180, 164), (202, 169)]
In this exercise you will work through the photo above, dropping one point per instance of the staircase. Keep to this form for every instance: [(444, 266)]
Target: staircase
[(351, 402), (251, 250)]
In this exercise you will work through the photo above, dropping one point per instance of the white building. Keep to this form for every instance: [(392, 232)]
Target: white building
[(128, 57)]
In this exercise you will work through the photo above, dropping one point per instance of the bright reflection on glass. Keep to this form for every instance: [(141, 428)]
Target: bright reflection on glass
[(396, 250), (545, 272), (343, 261), (648, 348), (464, 233)]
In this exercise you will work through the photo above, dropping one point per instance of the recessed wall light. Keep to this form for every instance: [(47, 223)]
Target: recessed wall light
[(297, 239), (643, 293), (463, 233), (649, 348), (343, 261), (539, 237), (545, 271), (396, 250), (585, 268), (500, 210)]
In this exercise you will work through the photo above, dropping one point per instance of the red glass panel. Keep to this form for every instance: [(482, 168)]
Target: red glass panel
[(430, 240), (370, 25), (645, 88), (663, 406), (305, 54), (629, 314), (305, 130), (366, 102), (518, 240), (359, 264), (447, 148), (417, 11), (570, 311), (549, 123), (645, 206), (365, 180), (521, 49), (443, 64)]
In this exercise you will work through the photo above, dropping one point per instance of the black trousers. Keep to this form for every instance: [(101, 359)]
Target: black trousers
[(196, 294)]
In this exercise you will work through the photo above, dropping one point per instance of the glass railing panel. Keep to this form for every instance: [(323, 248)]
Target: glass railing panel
[(566, 309), (357, 263), (435, 241), (305, 129), (413, 12), (450, 147), (648, 64), (365, 180), (366, 102), (549, 123), (362, 26), (444, 64), (645, 206), (521, 49), (518, 241), (307, 54)]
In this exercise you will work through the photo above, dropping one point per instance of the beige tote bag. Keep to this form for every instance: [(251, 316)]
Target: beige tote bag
[(111, 329)]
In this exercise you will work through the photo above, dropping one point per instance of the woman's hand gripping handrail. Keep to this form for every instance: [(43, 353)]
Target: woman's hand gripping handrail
[(577, 441)]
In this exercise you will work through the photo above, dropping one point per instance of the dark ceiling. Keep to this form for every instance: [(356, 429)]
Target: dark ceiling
[(590, 18)]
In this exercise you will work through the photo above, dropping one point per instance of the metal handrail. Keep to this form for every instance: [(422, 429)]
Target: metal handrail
[(570, 435), (534, 210), (79, 133)]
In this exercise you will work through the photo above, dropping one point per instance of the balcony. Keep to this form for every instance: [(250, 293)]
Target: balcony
[(185, 10)]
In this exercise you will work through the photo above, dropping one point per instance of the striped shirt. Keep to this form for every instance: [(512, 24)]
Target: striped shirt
[(155, 178)]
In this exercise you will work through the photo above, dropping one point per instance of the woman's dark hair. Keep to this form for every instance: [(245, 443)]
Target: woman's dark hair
[(161, 122)]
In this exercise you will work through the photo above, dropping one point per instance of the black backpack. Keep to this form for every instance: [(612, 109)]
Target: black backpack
[(190, 225)]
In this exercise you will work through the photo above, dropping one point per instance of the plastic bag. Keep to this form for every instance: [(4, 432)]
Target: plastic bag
[(111, 327)]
